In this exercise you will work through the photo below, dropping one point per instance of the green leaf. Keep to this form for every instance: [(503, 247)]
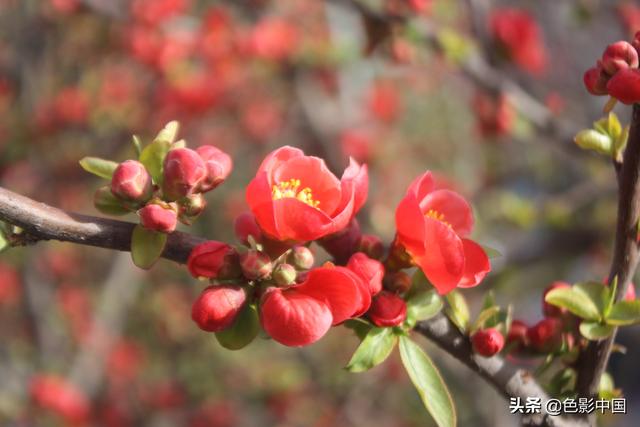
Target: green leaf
[(427, 380), (137, 144), (4, 241), (595, 331), (419, 284), (597, 292), (624, 313), (423, 306), (107, 203), (168, 133), (590, 139), (484, 316), (358, 325), (373, 350), (489, 300), (563, 381), (243, 330), (152, 157), (99, 167), (576, 301), (146, 246), (458, 310)]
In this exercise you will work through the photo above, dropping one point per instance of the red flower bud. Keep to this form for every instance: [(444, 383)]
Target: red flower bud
[(552, 310), (398, 282), (244, 226), (131, 182), (595, 80), (217, 307), (618, 56), (370, 270), (625, 86), (183, 172), (487, 342), (372, 246), (255, 265), (210, 259), (284, 274), (157, 218), (343, 244), (218, 165), (387, 309), (191, 207), (518, 335), (546, 335), (301, 257)]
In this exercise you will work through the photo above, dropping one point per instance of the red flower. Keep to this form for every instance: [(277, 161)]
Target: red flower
[(302, 314), (208, 259), (295, 197), (625, 86), (61, 397), (387, 309), (369, 270), (155, 217), (273, 39), (433, 225), (217, 307)]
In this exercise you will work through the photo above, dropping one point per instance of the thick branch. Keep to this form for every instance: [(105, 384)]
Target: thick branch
[(594, 360)]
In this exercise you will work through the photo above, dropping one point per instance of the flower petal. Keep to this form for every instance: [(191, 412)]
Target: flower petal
[(476, 264), (454, 208), (293, 318), (282, 154), (410, 223), (355, 178), (422, 185), (295, 220)]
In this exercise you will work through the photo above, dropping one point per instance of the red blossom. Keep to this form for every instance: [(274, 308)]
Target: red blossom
[(369, 270), (218, 165), (273, 39), (157, 218), (387, 309), (433, 226), (217, 307), (131, 182), (61, 397), (183, 172), (487, 342), (209, 259), (296, 198), (625, 86)]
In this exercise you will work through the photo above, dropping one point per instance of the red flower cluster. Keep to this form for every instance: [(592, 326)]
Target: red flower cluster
[(517, 32), (433, 226), (57, 395), (616, 73)]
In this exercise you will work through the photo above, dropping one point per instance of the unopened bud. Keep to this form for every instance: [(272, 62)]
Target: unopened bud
[(244, 226), (301, 257), (217, 307), (387, 309), (546, 335), (183, 171), (255, 265), (210, 259), (618, 56), (625, 86), (398, 282), (191, 207), (284, 274), (595, 80), (218, 165), (372, 246), (487, 342), (517, 336), (131, 182), (157, 218)]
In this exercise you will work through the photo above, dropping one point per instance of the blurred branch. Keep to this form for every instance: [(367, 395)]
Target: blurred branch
[(594, 359), (43, 222)]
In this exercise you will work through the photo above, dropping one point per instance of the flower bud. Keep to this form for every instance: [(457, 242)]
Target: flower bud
[(157, 218), (591, 139), (517, 336), (618, 56), (301, 257), (398, 282), (387, 309), (210, 259), (550, 310), (191, 207), (546, 335), (372, 246), (284, 274), (255, 265), (217, 307), (595, 80), (369, 270), (625, 86), (183, 172), (244, 226), (218, 165), (344, 243), (487, 342), (131, 182)]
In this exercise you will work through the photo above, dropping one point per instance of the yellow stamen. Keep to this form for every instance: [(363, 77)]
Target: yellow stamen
[(291, 189), (431, 213)]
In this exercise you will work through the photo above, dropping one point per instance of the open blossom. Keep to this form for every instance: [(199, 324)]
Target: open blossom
[(296, 198), (302, 314), (433, 225)]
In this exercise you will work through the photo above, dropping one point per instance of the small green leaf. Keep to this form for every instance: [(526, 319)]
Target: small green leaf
[(423, 306), (243, 330), (373, 350), (489, 300), (146, 246), (358, 325), (107, 203), (4, 241), (563, 381), (484, 316), (152, 157), (576, 301), (458, 310), (427, 380), (624, 313), (419, 284), (597, 292), (614, 128), (99, 167), (590, 139), (169, 132), (595, 331), (137, 144)]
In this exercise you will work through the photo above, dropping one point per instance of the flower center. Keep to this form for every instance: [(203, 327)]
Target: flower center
[(431, 213), (292, 189)]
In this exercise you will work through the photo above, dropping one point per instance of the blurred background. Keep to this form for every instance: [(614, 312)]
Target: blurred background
[(389, 82)]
